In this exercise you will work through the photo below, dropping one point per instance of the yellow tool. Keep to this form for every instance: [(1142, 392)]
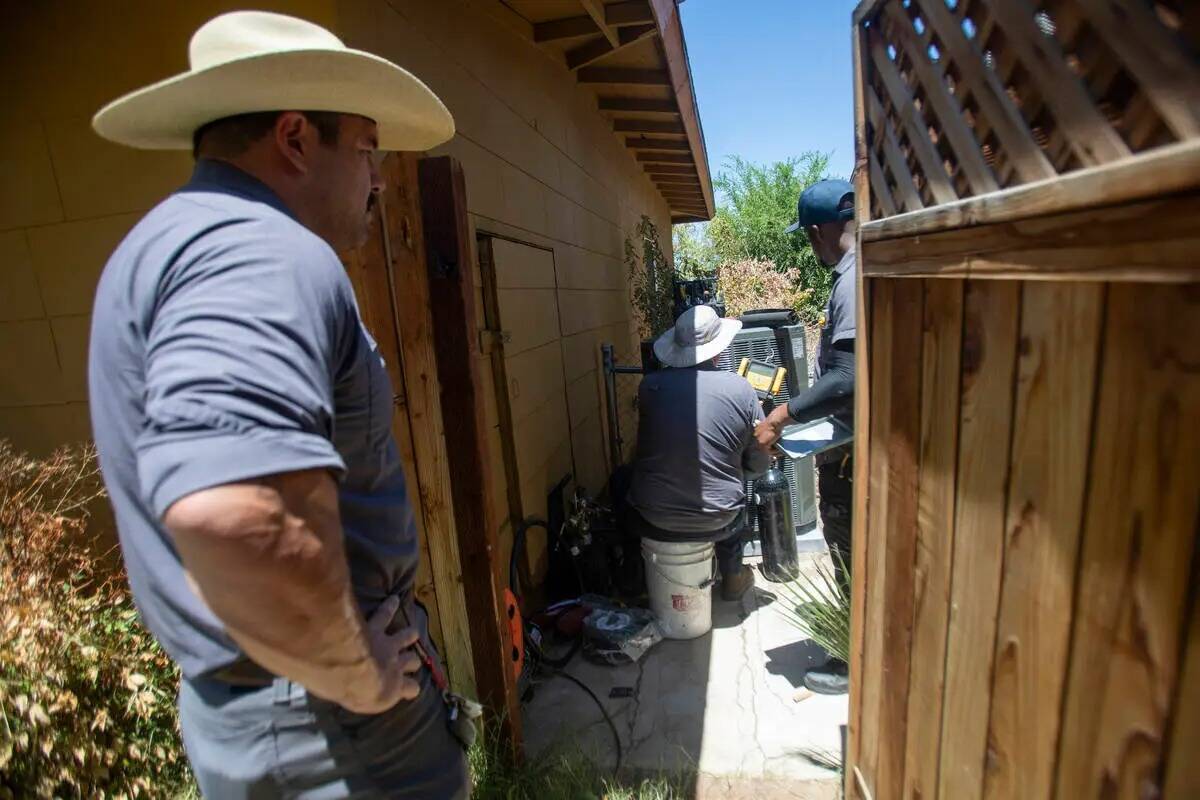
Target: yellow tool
[(766, 378)]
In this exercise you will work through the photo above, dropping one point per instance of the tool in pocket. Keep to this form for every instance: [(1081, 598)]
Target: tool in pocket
[(461, 712)]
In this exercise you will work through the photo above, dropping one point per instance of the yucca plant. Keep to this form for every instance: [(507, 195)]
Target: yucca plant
[(819, 605)]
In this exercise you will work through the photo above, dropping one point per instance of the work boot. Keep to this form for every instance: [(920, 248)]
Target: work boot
[(735, 585), (831, 678)]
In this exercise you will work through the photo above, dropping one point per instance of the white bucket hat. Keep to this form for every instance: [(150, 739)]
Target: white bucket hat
[(247, 61), (699, 335)]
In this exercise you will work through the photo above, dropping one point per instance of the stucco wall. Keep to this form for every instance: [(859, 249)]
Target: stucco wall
[(542, 166)]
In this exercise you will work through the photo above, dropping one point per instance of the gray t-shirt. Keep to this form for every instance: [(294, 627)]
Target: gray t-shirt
[(839, 322), (695, 448), (226, 345), (838, 325)]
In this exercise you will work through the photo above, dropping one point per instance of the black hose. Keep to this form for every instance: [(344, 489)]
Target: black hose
[(519, 547), (555, 666), (611, 725)]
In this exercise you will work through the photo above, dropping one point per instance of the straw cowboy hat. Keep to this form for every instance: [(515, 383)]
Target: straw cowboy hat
[(248, 61), (699, 335)]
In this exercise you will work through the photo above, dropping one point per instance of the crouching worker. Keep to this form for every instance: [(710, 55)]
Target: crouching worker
[(696, 446)]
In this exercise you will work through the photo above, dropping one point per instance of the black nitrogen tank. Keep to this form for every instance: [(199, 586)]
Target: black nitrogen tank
[(773, 498)]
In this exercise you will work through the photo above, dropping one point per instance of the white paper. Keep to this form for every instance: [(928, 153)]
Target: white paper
[(814, 437), (821, 432)]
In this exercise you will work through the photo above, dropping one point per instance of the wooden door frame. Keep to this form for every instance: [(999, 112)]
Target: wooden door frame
[(449, 260), (415, 292)]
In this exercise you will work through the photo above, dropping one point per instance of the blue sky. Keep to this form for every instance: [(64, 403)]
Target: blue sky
[(773, 78)]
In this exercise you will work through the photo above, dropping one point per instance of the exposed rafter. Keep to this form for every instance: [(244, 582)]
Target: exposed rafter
[(671, 169), (564, 29), (644, 77), (598, 48), (595, 10), (630, 13), (647, 126), (638, 104), (652, 156), (647, 143), (665, 137)]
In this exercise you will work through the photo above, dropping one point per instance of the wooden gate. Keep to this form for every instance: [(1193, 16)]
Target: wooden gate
[(1028, 407), (416, 297)]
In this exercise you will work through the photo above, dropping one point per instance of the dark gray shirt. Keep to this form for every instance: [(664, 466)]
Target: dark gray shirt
[(695, 448), (839, 322), (226, 345), (838, 325)]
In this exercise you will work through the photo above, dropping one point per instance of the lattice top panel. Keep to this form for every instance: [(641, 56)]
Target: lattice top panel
[(966, 97)]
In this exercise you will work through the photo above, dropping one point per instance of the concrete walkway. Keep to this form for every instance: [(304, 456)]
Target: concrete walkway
[(724, 706)]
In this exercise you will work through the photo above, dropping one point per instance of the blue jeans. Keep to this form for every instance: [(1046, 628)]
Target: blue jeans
[(281, 742)]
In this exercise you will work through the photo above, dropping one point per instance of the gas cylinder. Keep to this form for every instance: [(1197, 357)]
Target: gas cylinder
[(776, 531)]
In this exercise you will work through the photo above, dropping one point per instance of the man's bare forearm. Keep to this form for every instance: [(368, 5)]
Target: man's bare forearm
[(268, 559)]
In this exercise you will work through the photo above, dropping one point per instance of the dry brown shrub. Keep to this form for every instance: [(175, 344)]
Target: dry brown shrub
[(86, 694)]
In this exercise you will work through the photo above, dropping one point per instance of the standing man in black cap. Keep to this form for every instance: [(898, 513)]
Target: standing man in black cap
[(826, 214)]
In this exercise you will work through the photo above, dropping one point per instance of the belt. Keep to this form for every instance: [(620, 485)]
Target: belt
[(244, 673)]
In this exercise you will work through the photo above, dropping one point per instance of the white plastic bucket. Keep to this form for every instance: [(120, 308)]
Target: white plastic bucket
[(679, 577)]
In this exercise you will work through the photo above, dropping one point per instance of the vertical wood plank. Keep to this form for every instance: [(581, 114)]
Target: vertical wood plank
[(862, 421), (367, 269), (870, 675), (1052, 429), (940, 357), (491, 315), (895, 444), (1183, 768), (1138, 545), (455, 339), (991, 313), (410, 293)]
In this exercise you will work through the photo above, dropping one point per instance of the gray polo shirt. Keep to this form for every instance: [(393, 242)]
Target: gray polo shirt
[(839, 322), (226, 345), (695, 448), (838, 325)]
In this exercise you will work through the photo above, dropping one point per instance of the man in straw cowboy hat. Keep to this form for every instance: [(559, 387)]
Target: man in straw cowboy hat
[(242, 415), (696, 445)]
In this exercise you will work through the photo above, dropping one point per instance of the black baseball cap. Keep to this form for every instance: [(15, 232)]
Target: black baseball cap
[(824, 201)]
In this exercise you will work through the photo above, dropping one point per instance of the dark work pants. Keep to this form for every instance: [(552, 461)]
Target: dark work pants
[(727, 542), (280, 742), (729, 554), (837, 500)]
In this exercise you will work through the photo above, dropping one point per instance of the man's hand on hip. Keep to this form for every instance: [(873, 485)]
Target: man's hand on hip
[(395, 659)]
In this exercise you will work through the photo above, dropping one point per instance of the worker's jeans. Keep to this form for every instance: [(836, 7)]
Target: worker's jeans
[(281, 742), (837, 500), (728, 546)]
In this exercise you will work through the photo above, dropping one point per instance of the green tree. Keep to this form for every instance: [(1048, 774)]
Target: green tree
[(759, 204), (694, 253)]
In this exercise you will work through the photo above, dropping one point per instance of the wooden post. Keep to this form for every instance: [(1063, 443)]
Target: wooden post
[(452, 307), (409, 289), (862, 424)]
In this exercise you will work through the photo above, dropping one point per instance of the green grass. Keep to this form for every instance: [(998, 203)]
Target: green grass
[(561, 776)]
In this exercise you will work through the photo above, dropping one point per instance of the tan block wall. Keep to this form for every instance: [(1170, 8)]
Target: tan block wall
[(542, 166), (67, 197)]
